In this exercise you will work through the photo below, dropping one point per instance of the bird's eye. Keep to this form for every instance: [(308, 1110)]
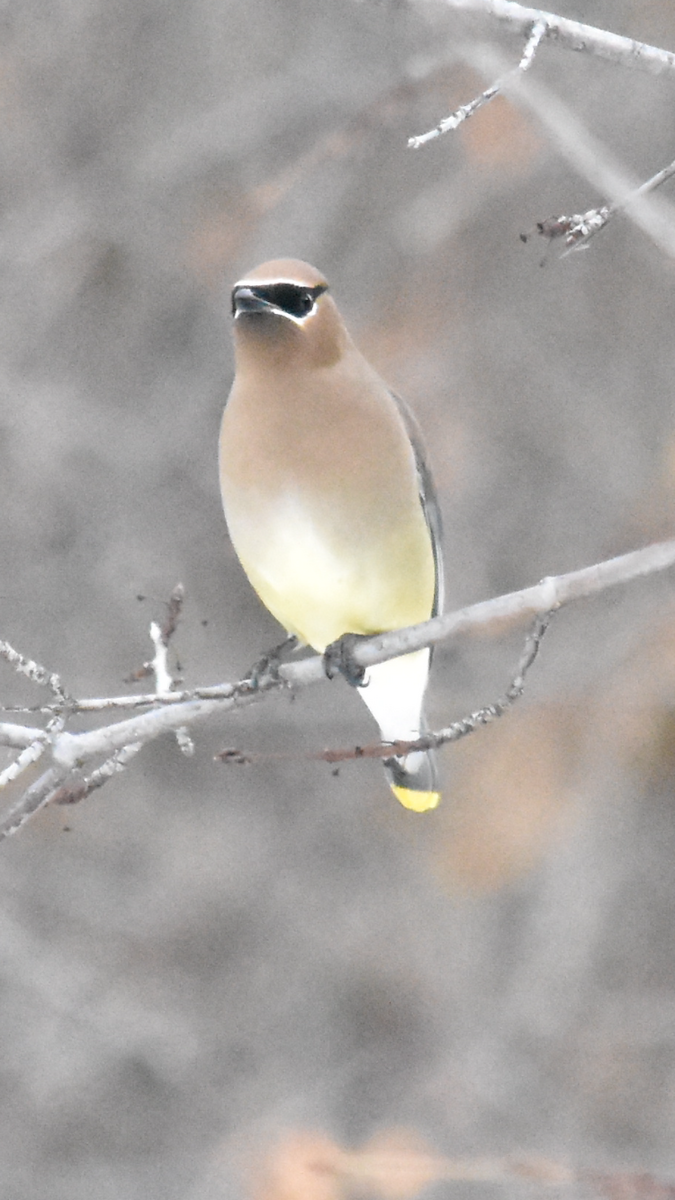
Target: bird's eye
[(291, 298), (304, 303)]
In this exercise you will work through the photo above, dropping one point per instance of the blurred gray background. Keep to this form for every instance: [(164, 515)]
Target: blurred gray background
[(201, 958)]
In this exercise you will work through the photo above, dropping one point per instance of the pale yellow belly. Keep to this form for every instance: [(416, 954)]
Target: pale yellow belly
[(320, 580)]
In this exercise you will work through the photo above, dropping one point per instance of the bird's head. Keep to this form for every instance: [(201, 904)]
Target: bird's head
[(283, 311)]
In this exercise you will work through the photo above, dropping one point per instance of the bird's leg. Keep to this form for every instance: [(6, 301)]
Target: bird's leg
[(338, 659), (267, 666)]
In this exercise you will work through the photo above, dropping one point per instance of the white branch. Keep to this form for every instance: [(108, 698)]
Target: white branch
[(25, 759), (578, 229), (160, 635), (38, 794), (574, 35), (76, 790), (553, 592), (33, 670), (467, 110), (163, 680), (71, 751), (19, 736)]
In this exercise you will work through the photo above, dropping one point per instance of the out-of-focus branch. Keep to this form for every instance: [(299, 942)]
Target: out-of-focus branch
[(585, 153), (577, 229), (573, 35), (70, 752), (588, 156)]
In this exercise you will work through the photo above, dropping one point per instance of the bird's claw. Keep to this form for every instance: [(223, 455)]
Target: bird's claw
[(338, 659)]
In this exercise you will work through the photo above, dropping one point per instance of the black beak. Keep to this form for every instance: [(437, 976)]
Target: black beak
[(246, 300)]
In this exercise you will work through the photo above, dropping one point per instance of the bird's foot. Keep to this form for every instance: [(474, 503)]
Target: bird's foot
[(338, 659), (266, 669)]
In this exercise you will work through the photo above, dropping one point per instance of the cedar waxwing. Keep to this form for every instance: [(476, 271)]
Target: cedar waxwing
[(328, 499)]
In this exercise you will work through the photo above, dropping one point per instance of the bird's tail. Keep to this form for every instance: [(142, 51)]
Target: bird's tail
[(394, 693), (414, 780)]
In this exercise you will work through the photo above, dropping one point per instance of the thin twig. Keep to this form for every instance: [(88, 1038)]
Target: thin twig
[(588, 156), (74, 792), (34, 671), (36, 797), (467, 110), (160, 636), (577, 229), (174, 609), (430, 740), (33, 751), (160, 669), (219, 691)]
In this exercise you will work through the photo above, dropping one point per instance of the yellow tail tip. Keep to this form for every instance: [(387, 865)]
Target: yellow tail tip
[(416, 801)]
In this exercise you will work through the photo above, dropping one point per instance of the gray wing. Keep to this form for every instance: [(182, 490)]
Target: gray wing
[(428, 497)]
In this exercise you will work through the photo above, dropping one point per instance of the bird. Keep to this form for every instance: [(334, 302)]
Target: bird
[(329, 500)]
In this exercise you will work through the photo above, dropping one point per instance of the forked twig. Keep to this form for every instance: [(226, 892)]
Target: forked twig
[(467, 110)]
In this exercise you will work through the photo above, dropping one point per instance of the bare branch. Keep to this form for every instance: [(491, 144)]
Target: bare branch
[(468, 110), (33, 671), (579, 228), (160, 636), (430, 740), (573, 35), (19, 736), (33, 751), (219, 691), (550, 594), (25, 759), (70, 751), (36, 797), (76, 791), (589, 157)]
